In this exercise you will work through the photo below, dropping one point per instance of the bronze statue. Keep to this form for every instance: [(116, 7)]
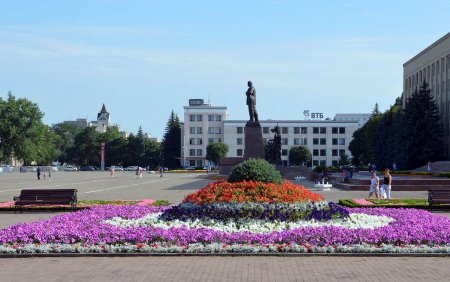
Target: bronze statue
[(273, 147), (251, 102)]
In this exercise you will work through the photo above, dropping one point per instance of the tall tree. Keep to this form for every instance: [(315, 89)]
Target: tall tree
[(152, 153), (22, 132), (215, 152), (171, 144), (86, 148)]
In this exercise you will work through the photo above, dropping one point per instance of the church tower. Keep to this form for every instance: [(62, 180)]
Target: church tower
[(103, 120)]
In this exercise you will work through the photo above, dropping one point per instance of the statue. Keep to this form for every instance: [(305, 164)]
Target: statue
[(251, 102), (273, 147)]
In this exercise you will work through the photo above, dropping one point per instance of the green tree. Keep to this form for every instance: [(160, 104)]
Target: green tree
[(152, 153), (86, 148), (422, 132), (298, 155), (22, 133), (135, 150), (344, 160), (215, 152), (65, 138), (171, 144)]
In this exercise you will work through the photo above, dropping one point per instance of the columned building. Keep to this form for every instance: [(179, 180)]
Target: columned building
[(203, 125), (433, 66)]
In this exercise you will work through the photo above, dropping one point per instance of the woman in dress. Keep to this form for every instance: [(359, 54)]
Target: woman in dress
[(374, 185)]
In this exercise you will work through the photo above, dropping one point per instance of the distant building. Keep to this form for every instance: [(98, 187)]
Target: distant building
[(103, 120), (80, 122), (360, 118), (433, 66)]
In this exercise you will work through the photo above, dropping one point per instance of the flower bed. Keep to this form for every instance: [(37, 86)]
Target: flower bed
[(390, 203), (113, 229), (239, 192)]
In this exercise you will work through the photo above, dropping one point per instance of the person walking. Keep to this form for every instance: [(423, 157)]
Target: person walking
[(113, 171), (387, 184), (38, 173), (161, 169), (374, 185), (50, 174), (430, 166)]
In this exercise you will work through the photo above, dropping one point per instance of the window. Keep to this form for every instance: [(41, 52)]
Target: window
[(334, 163), (341, 130), (199, 141), (323, 130), (191, 141), (239, 152), (315, 130), (323, 141), (334, 130), (199, 130), (218, 130), (323, 163), (315, 141), (210, 130), (304, 130), (210, 141), (334, 153), (315, 162), (341, 141), (284, 141), (315, 152), (303, 141), (199, 152), (284, 130), (341, 152), (296, 141), (191, 117), (199, 118), (192, 152), (323, 152), (219, 140), (296, 130), (210, 117), (265, 130), (334, 141), (239, 130), (192, 130), (284, 152), (218, 118), (239, 141)]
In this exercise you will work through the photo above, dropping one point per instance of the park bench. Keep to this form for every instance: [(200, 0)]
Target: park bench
[(438, 197), (46, 197)]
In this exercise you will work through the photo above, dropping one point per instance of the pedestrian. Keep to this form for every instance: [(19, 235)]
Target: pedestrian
[(38, 173), (429, 167), (113, 171), (374, 185), (161, 169), (50, 174), (369, 167), (394, 166), (387, 184), (44, 176), (374, 167)]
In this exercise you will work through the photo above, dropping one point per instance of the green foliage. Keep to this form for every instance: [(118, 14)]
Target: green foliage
[(319, 169), (256, 170), (171, 144), (344, 160), (299, 155), (444, 174), (23, 136), (161, 203), (332, 168), (216, 151)]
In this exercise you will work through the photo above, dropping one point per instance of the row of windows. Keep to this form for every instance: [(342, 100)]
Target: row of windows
[(192, 152), (199, 141), (304, 141), (200, 118), (323, 153), (211, 130), (300, 130)]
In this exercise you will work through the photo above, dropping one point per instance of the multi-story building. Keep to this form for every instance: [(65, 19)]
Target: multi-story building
[(101, 124), (326, 139), (203, 125), (433, 66)]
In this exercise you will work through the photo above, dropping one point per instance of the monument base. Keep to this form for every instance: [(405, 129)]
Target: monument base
[(227, 164), (254, 145)]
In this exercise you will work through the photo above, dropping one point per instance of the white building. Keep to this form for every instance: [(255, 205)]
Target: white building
[(103, 120), (327, 140), (433, 66), (360, 118), (203, 125)]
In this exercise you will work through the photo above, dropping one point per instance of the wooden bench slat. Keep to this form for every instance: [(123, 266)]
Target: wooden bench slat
[(47, 197)]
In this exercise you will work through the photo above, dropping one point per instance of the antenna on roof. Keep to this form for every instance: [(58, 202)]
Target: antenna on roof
[(209, 102)]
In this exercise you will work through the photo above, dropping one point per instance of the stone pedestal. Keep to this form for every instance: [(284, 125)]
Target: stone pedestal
[(254, 145)]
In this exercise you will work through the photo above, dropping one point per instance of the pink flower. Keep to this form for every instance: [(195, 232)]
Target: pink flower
[(363, 202)]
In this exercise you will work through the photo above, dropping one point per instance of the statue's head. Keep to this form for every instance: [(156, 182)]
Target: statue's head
[(249, 83)]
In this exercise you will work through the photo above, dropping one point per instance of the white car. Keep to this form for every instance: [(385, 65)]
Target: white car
[(70, 168)]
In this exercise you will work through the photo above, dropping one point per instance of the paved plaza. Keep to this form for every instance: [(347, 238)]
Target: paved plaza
[(174, 187)]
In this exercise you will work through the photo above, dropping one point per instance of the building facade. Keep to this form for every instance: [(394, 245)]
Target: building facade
[(433, 66), (203, 125), (327, 140)]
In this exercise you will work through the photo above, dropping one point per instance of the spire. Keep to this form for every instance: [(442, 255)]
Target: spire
[(103, 110)]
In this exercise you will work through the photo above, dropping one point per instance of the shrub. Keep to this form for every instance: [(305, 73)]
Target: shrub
[(319, 169), (255, 170), (445, 174)]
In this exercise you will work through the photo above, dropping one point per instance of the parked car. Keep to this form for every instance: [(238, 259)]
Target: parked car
[(116, 168), (70, 168), (190, 168), (131, 168), (87, 168)]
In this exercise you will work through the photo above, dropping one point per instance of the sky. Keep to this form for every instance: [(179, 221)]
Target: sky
[(144, 59)]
